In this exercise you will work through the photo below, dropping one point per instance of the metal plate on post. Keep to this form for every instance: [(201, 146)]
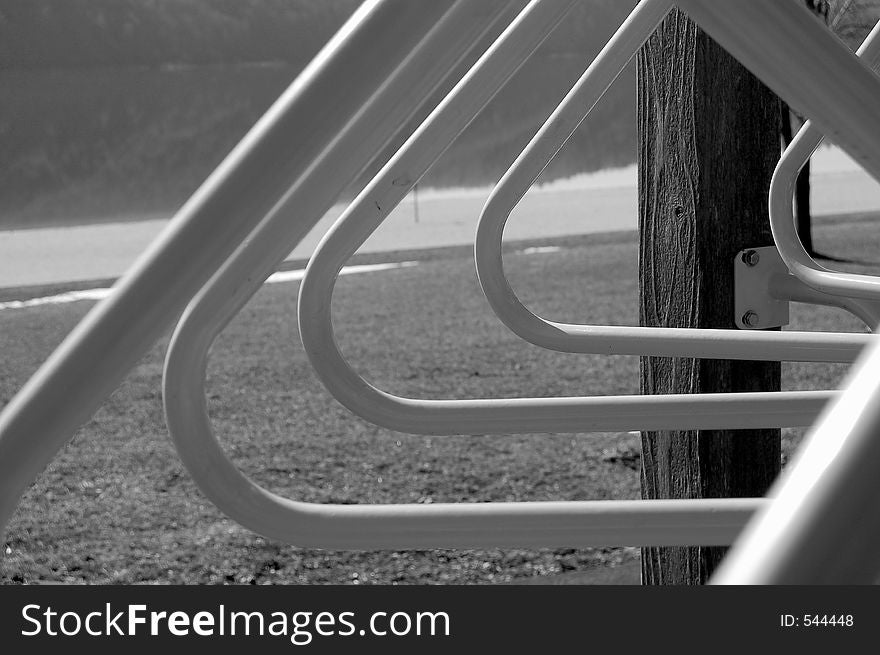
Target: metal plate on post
[(754, 307)]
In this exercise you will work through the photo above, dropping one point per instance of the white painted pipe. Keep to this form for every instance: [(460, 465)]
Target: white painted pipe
[(253, 178), (789, 288), (304, 125), (784, 224), (400, 526), (620, 340), (510, 415)]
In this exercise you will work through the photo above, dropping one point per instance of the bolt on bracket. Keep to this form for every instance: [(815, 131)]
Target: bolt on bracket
[(754, 307)]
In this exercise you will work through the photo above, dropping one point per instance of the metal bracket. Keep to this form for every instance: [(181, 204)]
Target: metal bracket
[(754, 307)]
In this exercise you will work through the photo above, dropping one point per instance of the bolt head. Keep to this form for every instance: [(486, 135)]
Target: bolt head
[(751, 257), (750, 318)]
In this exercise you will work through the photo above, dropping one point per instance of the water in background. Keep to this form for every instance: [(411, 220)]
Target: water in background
[(96, 145)]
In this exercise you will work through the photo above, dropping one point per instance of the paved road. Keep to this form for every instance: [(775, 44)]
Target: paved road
[(48, 256)]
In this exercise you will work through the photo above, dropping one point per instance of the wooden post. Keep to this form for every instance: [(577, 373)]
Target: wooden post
[(708, 142)]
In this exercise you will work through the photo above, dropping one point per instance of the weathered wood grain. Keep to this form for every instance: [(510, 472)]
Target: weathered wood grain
[(709, 138)]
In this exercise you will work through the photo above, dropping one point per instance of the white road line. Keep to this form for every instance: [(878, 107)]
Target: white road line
[(540, 250), (275, 278)]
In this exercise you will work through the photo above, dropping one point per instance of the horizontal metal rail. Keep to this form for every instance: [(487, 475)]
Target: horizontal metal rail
[(784, 225), (483, 525), (625, 340), (790, 289), (393, 55)]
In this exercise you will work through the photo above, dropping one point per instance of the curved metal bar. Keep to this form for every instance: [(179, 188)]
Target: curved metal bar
[(306, 123), (206, 230), (624, 340), (784, 224), (406, 526), (533, 524), (498, 416)]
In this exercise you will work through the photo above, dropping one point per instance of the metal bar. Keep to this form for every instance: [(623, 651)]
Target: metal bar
[(496, 416), (788, 287), (247, 180), (576, 524), (619, 340), (317, 525), (784, 225), (253, 507), (303, 126), (823, 525)]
